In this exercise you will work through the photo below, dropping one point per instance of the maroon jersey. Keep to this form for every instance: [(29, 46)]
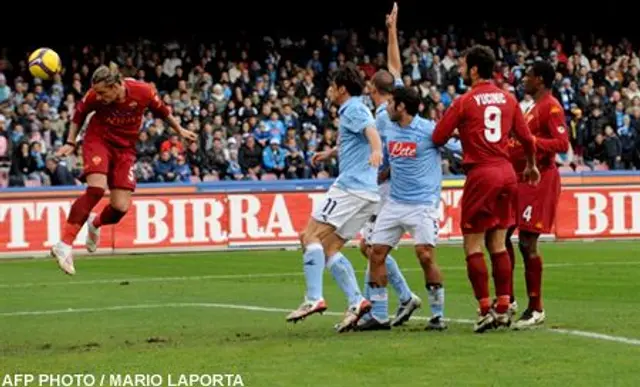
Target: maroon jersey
[(118, 123), (484, 117), (547, 124)]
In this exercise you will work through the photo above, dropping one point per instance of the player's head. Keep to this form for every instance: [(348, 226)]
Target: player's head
[(107, 83), (382, 82), (477, 64), (404, 102), (539, 76), (346, 83)]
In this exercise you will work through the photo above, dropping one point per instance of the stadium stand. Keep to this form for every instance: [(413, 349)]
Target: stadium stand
[(274, 91)]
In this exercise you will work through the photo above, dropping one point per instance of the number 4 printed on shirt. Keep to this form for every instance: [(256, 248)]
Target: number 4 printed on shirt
[(526, 214)]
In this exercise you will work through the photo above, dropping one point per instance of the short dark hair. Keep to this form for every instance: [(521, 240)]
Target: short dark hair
[(545, 71), (349, 77), (408, 97), (483, 58), (383, 81)]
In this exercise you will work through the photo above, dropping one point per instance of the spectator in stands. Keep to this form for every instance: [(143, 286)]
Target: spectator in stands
[(182, 169), (613, 148), (164, 167), (234, 170), (273, 158), (216, 160), (23, 165), (628, 137), (145, 147), (596, 153), (196, 159), (5, 142), (295, 162), (58, 174)]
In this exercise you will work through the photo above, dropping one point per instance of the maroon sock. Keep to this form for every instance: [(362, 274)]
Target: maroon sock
[(533, 276), (79, 213), (109, 215), (512, 257), (501, 268), (479, 277)]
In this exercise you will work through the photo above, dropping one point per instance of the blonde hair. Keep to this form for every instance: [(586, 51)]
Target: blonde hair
[(107, 74)]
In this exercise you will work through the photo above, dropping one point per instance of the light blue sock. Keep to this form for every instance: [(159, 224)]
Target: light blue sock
[(379, 303), (345, 276), (436, 299), (397, 280), (313, 270), (367, 288)]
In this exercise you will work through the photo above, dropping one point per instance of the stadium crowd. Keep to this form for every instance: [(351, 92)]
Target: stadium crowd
[(260, 110)]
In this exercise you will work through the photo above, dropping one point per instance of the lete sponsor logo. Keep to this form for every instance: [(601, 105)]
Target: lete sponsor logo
[(402, 149)]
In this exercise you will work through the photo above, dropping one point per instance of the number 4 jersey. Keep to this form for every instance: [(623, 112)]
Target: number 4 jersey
[(484, 117)]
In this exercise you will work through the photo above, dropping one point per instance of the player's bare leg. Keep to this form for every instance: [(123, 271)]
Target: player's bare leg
[(434, 284), (534, 314), (479, 278), (344, 275), (119, 201), (314, 263), (80, 210), (502, 275)]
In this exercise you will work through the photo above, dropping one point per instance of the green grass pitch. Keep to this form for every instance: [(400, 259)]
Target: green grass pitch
[(224, 312)]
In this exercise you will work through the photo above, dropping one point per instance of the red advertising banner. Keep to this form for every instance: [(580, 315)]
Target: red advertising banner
[(202, 221)]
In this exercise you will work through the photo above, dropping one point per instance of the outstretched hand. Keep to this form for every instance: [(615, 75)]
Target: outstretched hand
[(392, 18)]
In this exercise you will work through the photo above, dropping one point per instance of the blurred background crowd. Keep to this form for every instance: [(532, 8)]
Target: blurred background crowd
[(260, 108)]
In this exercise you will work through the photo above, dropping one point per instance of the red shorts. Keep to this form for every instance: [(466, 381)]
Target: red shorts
[(537, 205), (116, 163), (488, 198)]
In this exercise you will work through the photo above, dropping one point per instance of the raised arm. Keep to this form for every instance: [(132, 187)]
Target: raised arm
[(161, 110), (82, 110), (393, 50)]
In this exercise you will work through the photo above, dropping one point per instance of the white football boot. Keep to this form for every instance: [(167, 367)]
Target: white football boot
[(93, 235), (64, 255)]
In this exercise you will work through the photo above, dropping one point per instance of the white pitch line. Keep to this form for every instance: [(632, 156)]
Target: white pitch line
[(261, 275), (253, 308)]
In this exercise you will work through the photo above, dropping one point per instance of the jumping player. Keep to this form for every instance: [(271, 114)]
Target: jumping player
[(536, 205), (416, 183), (109, 153), (484, 117), (350, 201), (383, 83)]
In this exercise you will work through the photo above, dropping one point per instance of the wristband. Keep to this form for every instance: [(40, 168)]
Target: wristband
[(73, 144)]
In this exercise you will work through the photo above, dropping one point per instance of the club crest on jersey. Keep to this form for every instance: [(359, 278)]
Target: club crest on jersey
[(96, 160), (133, 104), (402, 149)]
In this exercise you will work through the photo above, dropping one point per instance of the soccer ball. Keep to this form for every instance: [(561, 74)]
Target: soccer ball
[(44, 63)]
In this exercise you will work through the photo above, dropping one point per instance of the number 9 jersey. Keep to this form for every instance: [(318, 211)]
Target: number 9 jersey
[(485, 117)]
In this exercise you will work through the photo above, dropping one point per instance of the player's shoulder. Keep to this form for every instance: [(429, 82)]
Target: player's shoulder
[(357, 108), (424, 124), (89, 96), (551, 104), (139, 89)]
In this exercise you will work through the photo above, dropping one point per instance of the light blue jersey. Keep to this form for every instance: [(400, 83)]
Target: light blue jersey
[(356, 176), (383, 122), (416, 170)]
